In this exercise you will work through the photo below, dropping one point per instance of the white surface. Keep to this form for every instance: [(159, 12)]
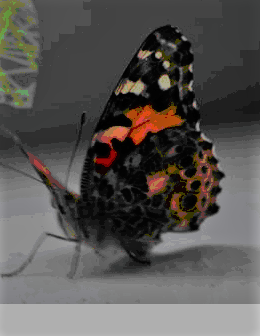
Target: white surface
[(206, 274)]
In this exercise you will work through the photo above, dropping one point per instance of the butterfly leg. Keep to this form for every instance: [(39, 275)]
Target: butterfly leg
[(35, 248), (136, 251), (141, 261), (74, 261)]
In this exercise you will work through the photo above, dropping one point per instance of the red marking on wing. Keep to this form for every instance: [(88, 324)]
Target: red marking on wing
[(107, 162), (144, 119), (115, 132)]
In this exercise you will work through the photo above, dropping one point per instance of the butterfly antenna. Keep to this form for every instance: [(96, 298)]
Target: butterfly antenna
[(18, 142), (82, 122), (19, 171)]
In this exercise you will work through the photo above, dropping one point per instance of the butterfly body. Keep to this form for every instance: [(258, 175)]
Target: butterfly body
[(149, 169)]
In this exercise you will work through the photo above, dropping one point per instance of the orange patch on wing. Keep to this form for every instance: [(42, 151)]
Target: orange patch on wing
[(157, 183), (146, 119), (172, 169), (115, 132)]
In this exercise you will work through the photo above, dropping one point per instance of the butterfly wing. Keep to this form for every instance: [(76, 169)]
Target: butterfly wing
[(158, 78), (149, 168)]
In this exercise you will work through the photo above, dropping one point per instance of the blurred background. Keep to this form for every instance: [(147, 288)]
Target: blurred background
[(84, 49)]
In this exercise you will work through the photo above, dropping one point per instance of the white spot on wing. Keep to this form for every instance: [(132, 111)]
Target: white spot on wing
[(191, 67), (172, 45), (194, 104), (138, 87), (197, 126), (166, 64), (190, 87), (164, 82), (184, 38), (129, 86), (124, 87), (204, 137), (158, 54), (144, 54)]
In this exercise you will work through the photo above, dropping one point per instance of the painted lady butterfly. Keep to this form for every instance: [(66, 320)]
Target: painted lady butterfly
[(149, 169)]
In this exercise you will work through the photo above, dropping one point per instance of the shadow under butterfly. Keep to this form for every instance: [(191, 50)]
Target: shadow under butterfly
[(166, 182)]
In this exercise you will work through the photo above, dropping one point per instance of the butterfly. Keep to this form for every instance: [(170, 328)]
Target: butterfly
[(149, 169)]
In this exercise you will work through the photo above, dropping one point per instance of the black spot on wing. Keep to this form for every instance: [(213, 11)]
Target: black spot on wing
[(215, 190), (188, 202), (157, 201), (186, 161), (192, 117), (120, 120), (169, 33), (101, 149), (193, 224), (218, 175), (188, 98), (204, 169), (212, 160), (123, 148), (205, 145), (160, 99), (212, 209), (151, 43), (174, 74), (187, 57), (195, 185), (190, 172), (176, 58), (174, 178), (187, 77)]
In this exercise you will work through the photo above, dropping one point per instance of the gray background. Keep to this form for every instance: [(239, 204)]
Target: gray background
[(84, 53)]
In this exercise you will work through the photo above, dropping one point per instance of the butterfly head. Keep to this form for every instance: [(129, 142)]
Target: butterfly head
[(65, 202)]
